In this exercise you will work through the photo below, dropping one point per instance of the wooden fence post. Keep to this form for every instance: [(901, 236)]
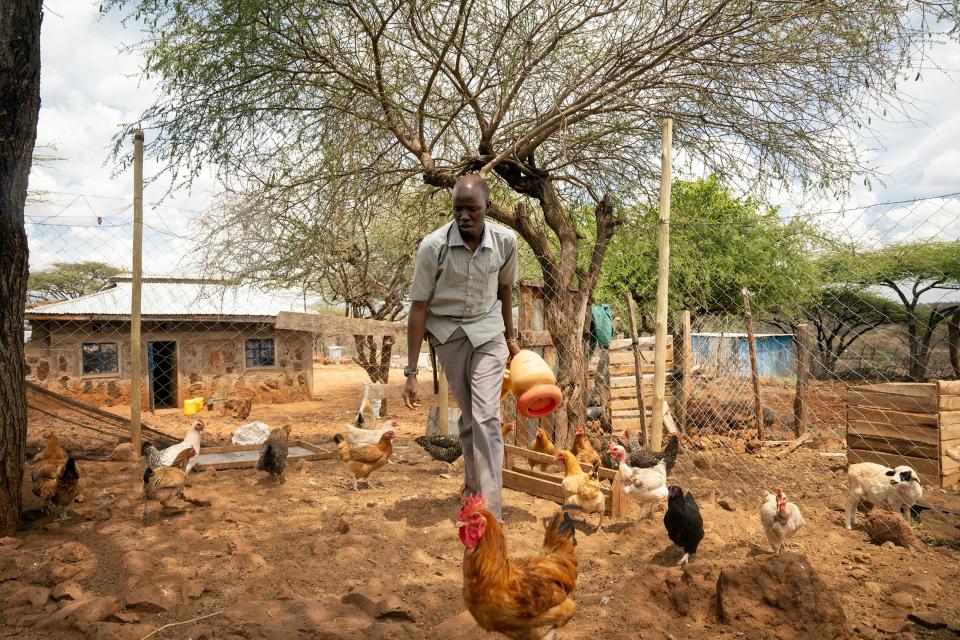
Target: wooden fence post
[(801, 405), (754, 373), (638, 367), (663, 287), (135, 368), (686, 372)]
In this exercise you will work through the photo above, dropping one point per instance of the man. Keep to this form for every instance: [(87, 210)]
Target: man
[(463, 279)]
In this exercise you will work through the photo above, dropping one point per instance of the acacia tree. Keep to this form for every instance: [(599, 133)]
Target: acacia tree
[(561, 101), (66, 280), (20, 106), (349, 243)]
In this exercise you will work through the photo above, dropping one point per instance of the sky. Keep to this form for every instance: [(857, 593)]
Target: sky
[(89, 86)]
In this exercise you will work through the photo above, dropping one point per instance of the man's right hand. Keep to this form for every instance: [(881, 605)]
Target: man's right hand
[(410, 393)]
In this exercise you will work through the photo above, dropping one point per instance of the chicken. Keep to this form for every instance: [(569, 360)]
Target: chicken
[(582, 489), (780, 519), (273, 453), (163, 484), (645, 486), (52, 450), (151, 455), (359, 437), (542, 444), (56, 480), (447, 448), (582, 448), (683, 522), (641, 458), (191, 440), (364, 460), (517, 597)]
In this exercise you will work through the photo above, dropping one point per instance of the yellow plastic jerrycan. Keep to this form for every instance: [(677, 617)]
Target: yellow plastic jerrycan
[(531, 380), (192, 406)]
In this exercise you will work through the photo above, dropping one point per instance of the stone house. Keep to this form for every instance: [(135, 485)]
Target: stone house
[(199, 337)]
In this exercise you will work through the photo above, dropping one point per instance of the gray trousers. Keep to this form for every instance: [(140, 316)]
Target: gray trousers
[(475, 375)]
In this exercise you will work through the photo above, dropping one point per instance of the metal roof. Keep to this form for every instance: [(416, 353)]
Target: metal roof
[(177, 297)]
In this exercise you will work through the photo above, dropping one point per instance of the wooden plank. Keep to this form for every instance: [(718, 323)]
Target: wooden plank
[(914, 389), (873, 430), (621, 424), (637, 363), (328, 324), (894, 446), (530, 338), (950, 432), (949, 418), (631, 403), (521, 453), (949, 403), (620, 370), (928, 470), (888, 416), (618, 382), (682, 390), (949, 465), (947, 481), (626, 357), (626, 344), (906, 403), (948, 387), (533, 486)]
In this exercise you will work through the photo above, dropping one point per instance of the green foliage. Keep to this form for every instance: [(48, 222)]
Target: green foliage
[(718, 245), (70, 279)]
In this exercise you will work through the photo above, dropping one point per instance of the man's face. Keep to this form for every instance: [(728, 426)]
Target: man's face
[(469, 209)]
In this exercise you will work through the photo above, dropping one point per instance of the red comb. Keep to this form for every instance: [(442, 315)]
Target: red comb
[(472, 503)]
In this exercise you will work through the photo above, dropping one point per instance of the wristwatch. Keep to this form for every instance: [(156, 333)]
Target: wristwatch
[(410, 371)]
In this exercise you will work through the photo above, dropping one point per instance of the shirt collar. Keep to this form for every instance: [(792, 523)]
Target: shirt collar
[(454, 239)]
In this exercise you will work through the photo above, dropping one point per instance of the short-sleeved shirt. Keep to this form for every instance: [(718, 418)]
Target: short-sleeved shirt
[(460, 285)]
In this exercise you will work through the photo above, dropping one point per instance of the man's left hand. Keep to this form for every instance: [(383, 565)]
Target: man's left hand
[(513, 347)]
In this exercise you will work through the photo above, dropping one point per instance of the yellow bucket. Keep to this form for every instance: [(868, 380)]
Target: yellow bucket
[(192, 406)]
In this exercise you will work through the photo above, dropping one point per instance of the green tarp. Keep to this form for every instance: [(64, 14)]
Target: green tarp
[(601, 327)]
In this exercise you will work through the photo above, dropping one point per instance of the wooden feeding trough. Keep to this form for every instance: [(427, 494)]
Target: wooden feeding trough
[(548, 486), (246, 456), (916, 424)]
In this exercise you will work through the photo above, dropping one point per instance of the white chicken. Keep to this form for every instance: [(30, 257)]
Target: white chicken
[(191, 440), (780, 519), (358, 437), (645, 486)]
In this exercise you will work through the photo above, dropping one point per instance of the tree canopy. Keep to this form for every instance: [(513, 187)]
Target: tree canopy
[(66, 280)]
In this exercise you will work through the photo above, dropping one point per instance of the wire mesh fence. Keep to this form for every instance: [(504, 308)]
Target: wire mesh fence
[(876, 289)]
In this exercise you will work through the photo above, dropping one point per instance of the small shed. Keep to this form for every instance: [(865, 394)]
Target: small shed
[(729, 353)]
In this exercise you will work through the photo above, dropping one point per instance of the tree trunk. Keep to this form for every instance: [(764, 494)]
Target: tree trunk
[(561, 312), (917, 366), (953, 342), (376, 362), (19, 106)]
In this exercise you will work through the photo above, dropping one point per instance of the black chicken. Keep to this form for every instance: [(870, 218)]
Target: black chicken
[(443, 448), (683, 522), (641, 458), (151, 455), (273, 454)]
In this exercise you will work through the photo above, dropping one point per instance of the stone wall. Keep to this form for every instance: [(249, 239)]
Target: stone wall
[(210, 360)]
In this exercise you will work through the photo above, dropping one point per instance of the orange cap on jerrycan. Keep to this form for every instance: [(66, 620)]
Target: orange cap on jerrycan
[(531, 380)]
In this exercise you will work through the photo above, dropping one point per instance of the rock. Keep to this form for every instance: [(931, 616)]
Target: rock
[(918, 585), (9, 542), (114, 631), (858, 573), (420, 557), (138, 563), (238, 545), (9, 569), (320, 548), (36, 596), (885, 526), (248, 561), (125, 617), (891, 625), (376, 600), (726, 504), (82, 614), (68, 590), (313, 617), (461, 626), (204, 632), (702, 462), (72, 552), (153, 598), (783, 591), (124, 452), (54, 572), (865, 632), (873, 587), (902, 600), (936, 524), (928, 619), (192, 588), (344, 523)]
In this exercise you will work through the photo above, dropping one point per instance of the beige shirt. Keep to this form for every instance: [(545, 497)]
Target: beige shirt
[(460, 285)]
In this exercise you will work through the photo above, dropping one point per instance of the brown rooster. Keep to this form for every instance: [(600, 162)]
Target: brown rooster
[(517, 597), (273, 454), (541, 444), (582, 448), (52, 451), (163, 484), (56, 480), (364, 460)]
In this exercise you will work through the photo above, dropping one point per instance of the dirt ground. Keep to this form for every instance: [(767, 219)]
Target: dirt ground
[(313, 559)]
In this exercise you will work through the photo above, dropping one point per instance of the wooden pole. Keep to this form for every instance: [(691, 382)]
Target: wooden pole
[(638, 367), (663, 285), (686, 372), (135, 369), (801, 404), (754, 374), (443, 420)]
